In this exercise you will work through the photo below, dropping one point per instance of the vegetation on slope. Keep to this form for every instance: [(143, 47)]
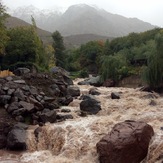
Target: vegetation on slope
[(137, 53)]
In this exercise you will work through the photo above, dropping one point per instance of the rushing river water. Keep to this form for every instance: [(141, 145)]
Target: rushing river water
[(74, 141)]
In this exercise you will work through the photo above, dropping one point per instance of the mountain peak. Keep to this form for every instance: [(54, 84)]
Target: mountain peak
[(83, 19)]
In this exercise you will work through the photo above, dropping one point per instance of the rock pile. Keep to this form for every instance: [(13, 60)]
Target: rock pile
[(34, 98)]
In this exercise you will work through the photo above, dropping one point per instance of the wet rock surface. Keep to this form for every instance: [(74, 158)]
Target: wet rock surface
[(31, 99), (16, 139), (90, 105), (127, 142), (34, 97)]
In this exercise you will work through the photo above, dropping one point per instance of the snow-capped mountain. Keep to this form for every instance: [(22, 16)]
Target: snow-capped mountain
[(82, 19), (42, 17)]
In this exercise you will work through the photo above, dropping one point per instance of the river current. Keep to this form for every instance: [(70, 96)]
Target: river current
[(74, 141)]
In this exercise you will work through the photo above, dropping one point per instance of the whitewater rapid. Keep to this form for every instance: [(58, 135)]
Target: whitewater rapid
[(74, 141)]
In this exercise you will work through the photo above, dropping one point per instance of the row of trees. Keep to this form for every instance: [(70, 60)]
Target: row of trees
[(111, 59), (140, 54), (22, 46)]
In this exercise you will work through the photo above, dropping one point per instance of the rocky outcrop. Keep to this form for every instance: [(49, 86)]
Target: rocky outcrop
[(34, 98), (90, 105), (126, 143)]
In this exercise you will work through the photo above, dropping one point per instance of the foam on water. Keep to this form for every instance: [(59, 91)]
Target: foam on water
[(74, 141)]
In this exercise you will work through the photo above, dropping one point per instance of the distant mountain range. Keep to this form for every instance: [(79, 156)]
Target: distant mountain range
[(46, 37), (82, 20)]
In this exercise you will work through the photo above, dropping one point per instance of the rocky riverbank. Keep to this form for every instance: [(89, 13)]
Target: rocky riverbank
[(74, 140)]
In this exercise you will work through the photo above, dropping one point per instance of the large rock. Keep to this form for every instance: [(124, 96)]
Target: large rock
[(4, 99), (65, 100), (115, 95), (48, 116), (3, 141), (90, 105), (27, 106), (94, 91), (54, 90), (95, 81), (16, 139), (127, 143), (73, 91), (58, 71)]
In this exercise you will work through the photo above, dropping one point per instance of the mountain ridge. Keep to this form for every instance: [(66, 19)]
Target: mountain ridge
[(85, 19)]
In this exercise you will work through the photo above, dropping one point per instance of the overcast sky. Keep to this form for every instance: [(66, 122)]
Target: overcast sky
[(147, 10)]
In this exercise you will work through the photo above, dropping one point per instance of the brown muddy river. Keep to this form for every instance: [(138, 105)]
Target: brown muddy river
[(74, 141)]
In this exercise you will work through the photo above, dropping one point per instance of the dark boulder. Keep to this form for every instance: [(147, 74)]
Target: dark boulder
[(73, 91), (65, 100), (95, 81), (5, 99), (37, 131), (90, 105), (51, 106), (62, 117), (115, 95), (12, 107), (54, 90), (3, 141), (48, 116), (127, 143), (5, 127), (27, 106), (94, 91), (16, 139), (21, 125)]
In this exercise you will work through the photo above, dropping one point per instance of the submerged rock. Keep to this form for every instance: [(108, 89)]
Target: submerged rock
[(115, 95), (94, 91), (127, 143)]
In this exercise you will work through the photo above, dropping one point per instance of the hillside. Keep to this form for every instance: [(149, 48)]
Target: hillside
[(77, 40), (13, 22), (83, 19), (70, 41)]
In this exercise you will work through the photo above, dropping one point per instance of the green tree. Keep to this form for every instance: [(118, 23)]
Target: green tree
[(112, 67), (59, 48), (90, 54), (24, 46), (3, 31), (153, 73), (107, 50), (49, 51), (72, 59)]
